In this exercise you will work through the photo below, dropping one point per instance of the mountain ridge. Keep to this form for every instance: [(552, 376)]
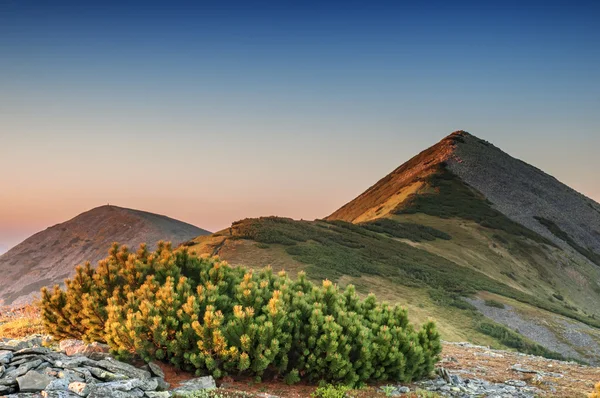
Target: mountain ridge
[(49, 256)]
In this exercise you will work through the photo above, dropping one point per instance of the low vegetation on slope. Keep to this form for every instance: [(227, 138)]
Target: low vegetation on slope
[(333, 249), (559, 233), (202, 314)]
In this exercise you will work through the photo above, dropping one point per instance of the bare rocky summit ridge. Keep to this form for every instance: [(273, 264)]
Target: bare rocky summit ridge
[(50, 256), (523, 192)]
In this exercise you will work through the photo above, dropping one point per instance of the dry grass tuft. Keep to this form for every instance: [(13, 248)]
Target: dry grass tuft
[(20, 322)]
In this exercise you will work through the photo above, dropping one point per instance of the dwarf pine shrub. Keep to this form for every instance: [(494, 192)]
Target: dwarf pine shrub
[(203, 315)]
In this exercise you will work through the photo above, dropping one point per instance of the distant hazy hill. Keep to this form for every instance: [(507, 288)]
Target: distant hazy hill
[(495, 250), (50, 256)]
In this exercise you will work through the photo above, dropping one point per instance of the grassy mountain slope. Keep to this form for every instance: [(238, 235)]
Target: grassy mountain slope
[(400, 269), (49, 256), (426, 237)]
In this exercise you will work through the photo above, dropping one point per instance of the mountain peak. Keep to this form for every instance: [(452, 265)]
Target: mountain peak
[(394, 188), (519, 191), (50, 256)]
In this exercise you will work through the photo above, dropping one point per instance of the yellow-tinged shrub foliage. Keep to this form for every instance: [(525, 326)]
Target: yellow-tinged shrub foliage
[(596, 392), (202, 314)]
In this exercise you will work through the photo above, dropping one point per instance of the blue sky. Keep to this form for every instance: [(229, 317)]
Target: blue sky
[(216, 111)]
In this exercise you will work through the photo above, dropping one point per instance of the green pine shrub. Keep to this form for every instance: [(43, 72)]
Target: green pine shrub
[(203, 315)]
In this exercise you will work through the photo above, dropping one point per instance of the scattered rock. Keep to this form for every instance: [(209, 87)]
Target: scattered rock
[(200, 383), (73, 347), (515, 383), (28, 370), (33, 381), (79, 388), (162, 385), (123, 368), (518, 368), (156, 370), (452, 385), (5, 356), (58, 385), (158, 394)]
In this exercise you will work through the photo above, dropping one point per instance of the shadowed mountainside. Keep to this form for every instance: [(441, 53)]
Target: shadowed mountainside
[(50, 256)]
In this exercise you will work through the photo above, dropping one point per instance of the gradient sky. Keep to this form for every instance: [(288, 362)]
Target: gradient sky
[(210, 112)]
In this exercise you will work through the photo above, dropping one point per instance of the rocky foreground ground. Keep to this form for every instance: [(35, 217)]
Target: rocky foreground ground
[(33, 367)]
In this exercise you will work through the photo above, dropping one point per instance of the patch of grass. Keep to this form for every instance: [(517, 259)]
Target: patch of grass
[(559, 233), (18, 328), (284, 231), (515, 340), (18, 323), (330, 391), (494, 303), (500, 239), (405, 230), (558, 296), (442, 297), (510, 274), (331, 249), (451, 197)]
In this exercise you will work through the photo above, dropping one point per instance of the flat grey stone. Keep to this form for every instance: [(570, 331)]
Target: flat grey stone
[(67, 374), (58, 385), (162, 385), (59, 394), (100, 392), (6, 390), (7, 347), (33, 381), (156, 370), (516, 383), (518, 368), (5, 356), (8, 381), (87, 375), (149, 384), (105, 375), (122, 385), (158, 394), (33, 350), (25, 395), (123, 368), (199, 383)]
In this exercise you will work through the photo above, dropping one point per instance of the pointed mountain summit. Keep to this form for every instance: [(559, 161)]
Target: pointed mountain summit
[(51, 255), (466, 177)]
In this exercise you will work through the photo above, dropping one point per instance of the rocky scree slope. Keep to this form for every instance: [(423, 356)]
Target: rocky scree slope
[(50, 256)]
